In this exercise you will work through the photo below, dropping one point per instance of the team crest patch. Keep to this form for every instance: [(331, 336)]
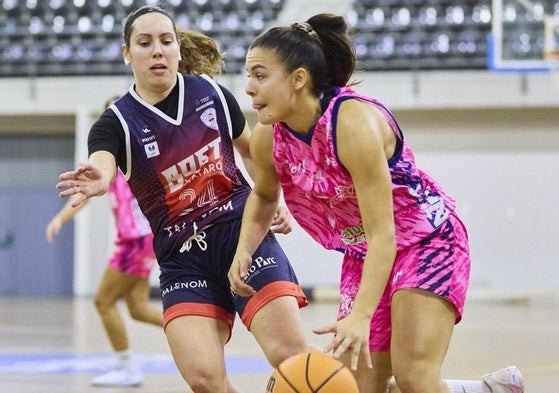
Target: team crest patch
[(152, 149), (209, 118)]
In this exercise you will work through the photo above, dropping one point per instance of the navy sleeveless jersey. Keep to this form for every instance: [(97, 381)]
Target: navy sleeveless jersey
[(182, 170)]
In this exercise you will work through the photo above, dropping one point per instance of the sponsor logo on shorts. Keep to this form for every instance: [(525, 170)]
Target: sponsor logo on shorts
[(258, 265), (194, 284)]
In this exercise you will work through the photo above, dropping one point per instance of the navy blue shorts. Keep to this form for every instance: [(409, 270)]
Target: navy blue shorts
[(194, 282)]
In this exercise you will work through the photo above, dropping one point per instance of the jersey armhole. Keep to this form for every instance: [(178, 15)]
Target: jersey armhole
[(126, 140), (223, 103)]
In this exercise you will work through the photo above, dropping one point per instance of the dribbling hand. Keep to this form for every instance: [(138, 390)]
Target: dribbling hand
[(349, 335)]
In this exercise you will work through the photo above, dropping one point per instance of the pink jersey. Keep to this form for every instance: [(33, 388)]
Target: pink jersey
[(321, 196), (130, 221)]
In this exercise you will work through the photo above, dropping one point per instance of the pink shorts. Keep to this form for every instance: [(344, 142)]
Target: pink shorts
[(439, 264), (134, 257)]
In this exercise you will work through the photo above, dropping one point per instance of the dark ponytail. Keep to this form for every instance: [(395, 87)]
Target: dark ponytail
[(321, 45)]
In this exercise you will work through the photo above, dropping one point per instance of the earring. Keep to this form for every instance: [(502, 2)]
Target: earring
[(126, 62)]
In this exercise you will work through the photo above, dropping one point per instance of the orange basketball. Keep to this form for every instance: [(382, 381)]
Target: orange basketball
[(312, 372)]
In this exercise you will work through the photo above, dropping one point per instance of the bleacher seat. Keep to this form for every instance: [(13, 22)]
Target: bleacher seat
[(76, 37), (72, 37), (413, 34)]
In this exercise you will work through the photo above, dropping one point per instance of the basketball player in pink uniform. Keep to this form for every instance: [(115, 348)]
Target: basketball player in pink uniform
[(349, 178), (126, 276), (173, 136)]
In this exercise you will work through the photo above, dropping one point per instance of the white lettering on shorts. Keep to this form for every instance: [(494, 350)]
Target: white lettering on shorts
[(258, 265), (184, 285)]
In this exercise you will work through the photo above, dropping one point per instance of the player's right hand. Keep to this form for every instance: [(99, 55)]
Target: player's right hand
[(53, 228), (84, 182), (238, 273)]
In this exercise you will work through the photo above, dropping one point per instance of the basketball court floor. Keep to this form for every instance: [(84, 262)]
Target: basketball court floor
[(57, 345)]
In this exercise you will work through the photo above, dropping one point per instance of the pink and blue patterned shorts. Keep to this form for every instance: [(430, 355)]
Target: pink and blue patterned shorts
[(439, 264), (134, 256)]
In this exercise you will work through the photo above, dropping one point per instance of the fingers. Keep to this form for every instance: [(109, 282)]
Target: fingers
[(243, 290), (367, 356), (326, 329), (282, 221), (340, 344), (69, 184), (79, 197), (280, 227), (237, 275), (238, 286), (70, 175), (49, 236), (52, 230)]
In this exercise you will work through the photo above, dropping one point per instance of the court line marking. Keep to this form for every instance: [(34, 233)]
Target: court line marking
[(68, 363)]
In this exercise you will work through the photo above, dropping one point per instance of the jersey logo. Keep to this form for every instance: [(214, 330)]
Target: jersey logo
[(209, 118), (152, 149)]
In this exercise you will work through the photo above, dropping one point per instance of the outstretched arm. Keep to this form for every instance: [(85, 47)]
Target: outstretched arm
[(62, 217), (89, 179)]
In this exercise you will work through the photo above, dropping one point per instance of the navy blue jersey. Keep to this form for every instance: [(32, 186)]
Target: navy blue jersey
[(182, 169)]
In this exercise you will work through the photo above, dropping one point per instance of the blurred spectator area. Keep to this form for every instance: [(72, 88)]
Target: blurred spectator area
[(445, 34), (79, 37), (414, 34)]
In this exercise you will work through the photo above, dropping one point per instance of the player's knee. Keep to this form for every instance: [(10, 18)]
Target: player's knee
[(137, 312), (416, 378), (101, 304), (205, 384), (281, 351)]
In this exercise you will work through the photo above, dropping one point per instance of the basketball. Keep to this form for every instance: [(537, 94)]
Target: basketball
[(312, 372)]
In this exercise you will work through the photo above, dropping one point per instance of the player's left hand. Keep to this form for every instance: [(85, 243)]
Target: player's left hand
[(282, 221), (350, 334)]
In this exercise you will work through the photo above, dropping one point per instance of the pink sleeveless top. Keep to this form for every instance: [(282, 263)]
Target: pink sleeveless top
[(130, 222), (321, 196)]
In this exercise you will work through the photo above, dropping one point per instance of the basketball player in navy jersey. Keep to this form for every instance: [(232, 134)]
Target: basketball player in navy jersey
[(173, 136)]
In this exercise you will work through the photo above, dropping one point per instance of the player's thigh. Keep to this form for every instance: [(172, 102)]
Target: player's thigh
[(197, 343), (422, 327), (278, 329), (137, 298), (114, 284)]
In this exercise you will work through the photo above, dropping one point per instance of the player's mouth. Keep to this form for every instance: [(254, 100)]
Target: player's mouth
[(158, 67)]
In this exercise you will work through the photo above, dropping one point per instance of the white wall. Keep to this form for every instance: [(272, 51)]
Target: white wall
[(491, 139)]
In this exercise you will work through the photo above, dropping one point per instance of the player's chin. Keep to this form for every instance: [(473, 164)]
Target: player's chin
[(265, 118)]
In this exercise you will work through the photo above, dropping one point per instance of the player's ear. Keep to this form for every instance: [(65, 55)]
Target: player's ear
[(125, 55), (300, 78)]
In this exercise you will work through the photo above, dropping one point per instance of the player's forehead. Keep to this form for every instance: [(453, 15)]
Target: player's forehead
[(262, 58), (153, 23)]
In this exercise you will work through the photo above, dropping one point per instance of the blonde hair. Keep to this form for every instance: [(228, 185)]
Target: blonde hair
[(199, 53)]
